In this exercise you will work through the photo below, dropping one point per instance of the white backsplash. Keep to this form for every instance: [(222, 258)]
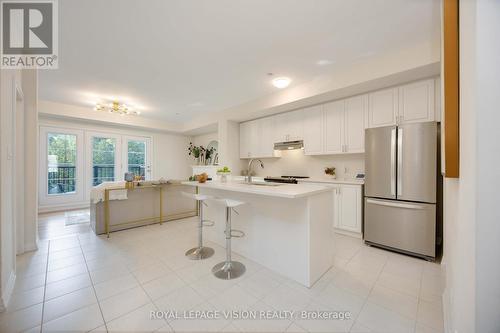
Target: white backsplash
[(295, 163)]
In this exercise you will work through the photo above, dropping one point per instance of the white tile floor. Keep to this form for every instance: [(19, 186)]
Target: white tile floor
[(79, 282)]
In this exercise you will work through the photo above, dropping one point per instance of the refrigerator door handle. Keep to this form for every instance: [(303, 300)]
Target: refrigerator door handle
[(400, 162), (393, 162), (394, 204)]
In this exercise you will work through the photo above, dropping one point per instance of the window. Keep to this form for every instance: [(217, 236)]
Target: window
[(103, 160), (136, 157), (61, 163)]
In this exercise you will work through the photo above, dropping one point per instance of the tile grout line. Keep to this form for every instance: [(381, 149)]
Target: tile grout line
[(149, 297), (45, 286), (92, 284), (418, 297), (371, 290)]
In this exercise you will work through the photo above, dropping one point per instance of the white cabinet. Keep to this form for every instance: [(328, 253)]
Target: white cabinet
[(266, 137), (289, 126), (337, 128), (314, 130), (347, 207), (416, 102), (410, 103), (383, 108), (354, 125), (245, 139), (348, 202), (257, 138), (334, 127)]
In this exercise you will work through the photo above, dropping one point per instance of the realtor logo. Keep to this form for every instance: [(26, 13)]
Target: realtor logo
[(28, 34)]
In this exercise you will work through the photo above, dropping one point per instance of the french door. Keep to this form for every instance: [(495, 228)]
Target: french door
[(137, 156), (103, 158), (61, 167), (72, 161)]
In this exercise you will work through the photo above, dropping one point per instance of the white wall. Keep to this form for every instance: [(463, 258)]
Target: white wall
[(8, 79), (169, 151), (295, 163), (488, 159), (18, 218), (205, 139), (472, 228)]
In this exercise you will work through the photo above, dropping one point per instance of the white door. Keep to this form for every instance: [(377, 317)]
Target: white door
[(245, 140), (350, 208), (355, 125), (266, 145), (61, 167), (334, 127), (137, 156), (104, 158), (383, 108), (313, 130), (416, 102)]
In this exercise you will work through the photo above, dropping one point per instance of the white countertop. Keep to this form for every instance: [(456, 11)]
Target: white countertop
[(290, 191), (349, 181)]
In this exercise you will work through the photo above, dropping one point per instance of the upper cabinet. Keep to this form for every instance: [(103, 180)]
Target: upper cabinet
[(416, 102), (339, 127), (354, 119), (334, 128), (411, 103), (257, 138), (314, 130), (383, 108), (289, 126)]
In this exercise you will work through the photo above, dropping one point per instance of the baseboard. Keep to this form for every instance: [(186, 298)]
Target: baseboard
[(348, 233), (7, 293), (58, 208), (30, 247)]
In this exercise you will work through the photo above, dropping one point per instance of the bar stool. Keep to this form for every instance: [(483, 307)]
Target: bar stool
[(200, 252), (229, 269)]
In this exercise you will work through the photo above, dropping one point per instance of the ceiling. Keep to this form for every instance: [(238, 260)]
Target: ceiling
[(177, 59)]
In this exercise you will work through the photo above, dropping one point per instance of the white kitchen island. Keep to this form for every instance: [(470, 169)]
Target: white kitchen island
[(287, 227)]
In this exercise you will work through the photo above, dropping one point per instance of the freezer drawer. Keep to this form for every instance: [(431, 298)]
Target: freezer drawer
[(406, 226)]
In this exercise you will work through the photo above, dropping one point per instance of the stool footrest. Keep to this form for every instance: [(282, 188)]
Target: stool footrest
[(237, 233), (208, 223)]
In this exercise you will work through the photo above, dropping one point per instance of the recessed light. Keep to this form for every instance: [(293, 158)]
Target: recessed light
[(281, 82), (324, 62)]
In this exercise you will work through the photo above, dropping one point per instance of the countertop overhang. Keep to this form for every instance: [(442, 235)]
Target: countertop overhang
[(290, 191)]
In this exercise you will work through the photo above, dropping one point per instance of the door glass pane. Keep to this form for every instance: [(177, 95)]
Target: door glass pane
[(61, 163), (103, 160), (137, 158)]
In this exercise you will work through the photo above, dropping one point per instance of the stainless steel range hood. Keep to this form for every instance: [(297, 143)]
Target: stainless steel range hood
[(289, 145)]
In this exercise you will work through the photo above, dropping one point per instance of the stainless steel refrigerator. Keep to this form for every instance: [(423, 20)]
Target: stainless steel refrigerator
[(400, 188)]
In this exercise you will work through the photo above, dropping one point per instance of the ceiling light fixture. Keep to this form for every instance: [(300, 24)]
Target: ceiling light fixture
[(116, 108), (324, 62), (281, 82)]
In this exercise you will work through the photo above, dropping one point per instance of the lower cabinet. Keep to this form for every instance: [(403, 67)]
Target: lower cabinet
[(348, 208)]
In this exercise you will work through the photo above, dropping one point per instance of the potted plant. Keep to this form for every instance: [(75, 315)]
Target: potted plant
[(209, 152), (330, 172), (195, 151), (223, 173)]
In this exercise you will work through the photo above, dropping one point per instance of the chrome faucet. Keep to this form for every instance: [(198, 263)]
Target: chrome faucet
[(249, 169)]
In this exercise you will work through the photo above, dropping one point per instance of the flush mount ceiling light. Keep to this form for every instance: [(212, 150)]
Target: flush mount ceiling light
[(281, 82), (116, 108), (324, 62)]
